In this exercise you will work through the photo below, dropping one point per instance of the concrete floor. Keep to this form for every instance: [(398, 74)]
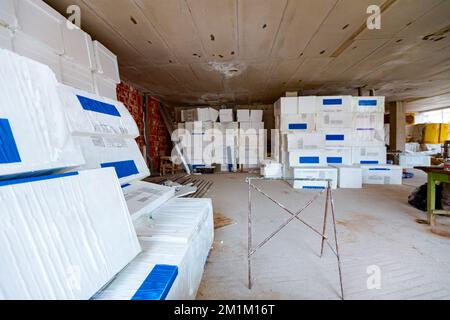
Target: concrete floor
[(376, 227)]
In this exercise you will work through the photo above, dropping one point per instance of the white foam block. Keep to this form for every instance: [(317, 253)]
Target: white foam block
[(41, 22), (307, 158), (285, 106), (106, 62), (5, 39), (90, 114), (307, 104), (123, 154), (349, 177), (382, 174), (338, 155), (105, 87), (326, 120), (76, 76), (368, 137), (181, 235), (410, 161), (369, 104), (8, 13), (306, 140), (334, 104), (298, 123), (251, 127), (256, 115), (226, 115), (144, 197), (78, 46), (243, 115), (63, 237), (326, 173), (369, 120), (338, 137), (369, 155), (35, 137), (29, 47)]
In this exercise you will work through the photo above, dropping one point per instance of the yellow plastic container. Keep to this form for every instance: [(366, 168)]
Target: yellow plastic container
[(435, 133)]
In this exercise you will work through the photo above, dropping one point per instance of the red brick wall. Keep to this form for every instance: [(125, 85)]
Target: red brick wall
[(133, 100), (158, 138)]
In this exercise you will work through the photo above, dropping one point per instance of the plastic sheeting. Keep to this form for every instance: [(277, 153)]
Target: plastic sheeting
[(69, 245), (35, 136)]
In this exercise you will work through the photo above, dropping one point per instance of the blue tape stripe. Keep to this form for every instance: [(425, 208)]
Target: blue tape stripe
[(368, 103), (332, 102), (98, 106), (334, 160), (8, 148), (313, 187), (379, 169), (158, 283), (298, 126), (335, 137), (126, 185), (309, 160), (123, 168), (35, 179), (370, 162)]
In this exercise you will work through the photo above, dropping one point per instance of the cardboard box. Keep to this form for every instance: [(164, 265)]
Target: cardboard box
[(369, 104), (106, 62), (326, 120), (338, 155), (369, 155), (327, 173), (307, 158), (42, 23), (349, 177), (81, 236), (298, 123), (334, 104), (382, 174), (35, 136)]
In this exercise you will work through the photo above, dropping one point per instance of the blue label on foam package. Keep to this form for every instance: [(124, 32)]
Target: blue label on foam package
[(35, 179), (298, 126), (98, 106), (335, 137), (8, 147), (332, 102), (367, 103), (313, 187), (334, 160), (123, 168), (309, 160), (370, 162), (158, 283)]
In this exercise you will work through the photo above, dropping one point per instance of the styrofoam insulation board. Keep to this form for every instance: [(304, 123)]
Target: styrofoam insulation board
[(382, 174), (327, 173), (27, 46), (105, 87), (90, 114), (350, 177), (35, 136), (143, 197), (76, 76), (298, 123), (369, 104), (326, 120), (78, 46), (106, 62), (369, 155), (78, 240), (334, 104), (8, 16), (6, 39), (41, 22), (122, 154)]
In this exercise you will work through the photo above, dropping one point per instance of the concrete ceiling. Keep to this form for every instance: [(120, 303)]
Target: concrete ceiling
[(252, 51)]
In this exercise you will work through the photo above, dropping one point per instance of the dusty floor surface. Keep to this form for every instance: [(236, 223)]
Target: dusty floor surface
[(377, 230)]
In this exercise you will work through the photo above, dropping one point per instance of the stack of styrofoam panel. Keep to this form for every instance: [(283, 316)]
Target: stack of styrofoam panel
[(78, 240), (225, 145), (35, 137), (252, 148), (368, 130), (199, 114), (382, 174), (106, 75), (180, 234), (105, 131), (226, 115), (198, 142), (78, 61), (318, 177), (271, 169), (38, 34), (8, 23)]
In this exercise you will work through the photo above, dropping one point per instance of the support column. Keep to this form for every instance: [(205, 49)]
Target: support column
[(397, 126)]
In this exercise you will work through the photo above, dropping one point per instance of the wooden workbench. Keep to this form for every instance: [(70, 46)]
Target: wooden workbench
[(436, 175)]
